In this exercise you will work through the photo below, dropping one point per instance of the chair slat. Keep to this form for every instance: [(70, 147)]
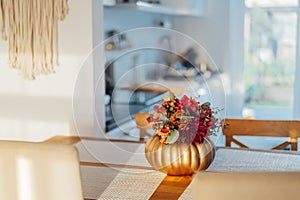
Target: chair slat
[(267, 128), (142, 124), (239, 143), (281, 146), (271, 128)]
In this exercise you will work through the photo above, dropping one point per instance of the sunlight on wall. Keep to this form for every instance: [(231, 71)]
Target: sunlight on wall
[(35, 110)]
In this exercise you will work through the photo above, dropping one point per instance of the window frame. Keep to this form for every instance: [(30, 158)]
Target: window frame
[(235, 102)]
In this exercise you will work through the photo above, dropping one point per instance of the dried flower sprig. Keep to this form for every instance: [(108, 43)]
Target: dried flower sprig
[(184, 120)]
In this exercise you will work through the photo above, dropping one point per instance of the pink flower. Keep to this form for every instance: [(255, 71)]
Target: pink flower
[(156, 108), (192, 120), (162, 109)]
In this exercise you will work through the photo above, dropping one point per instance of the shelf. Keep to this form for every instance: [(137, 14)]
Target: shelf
[(182, 8), (125, 6), (157, 8)]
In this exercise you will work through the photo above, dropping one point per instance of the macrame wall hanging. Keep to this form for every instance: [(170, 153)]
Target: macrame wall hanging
[(31, 28)]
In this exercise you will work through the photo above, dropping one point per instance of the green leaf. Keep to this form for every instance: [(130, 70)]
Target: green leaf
[(187, 113), (163, 118), (183, 117), (183, 140), (206, 105), (172, 137), (166, 98)]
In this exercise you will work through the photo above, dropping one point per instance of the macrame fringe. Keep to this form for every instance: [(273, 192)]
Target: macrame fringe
[(31, 28)]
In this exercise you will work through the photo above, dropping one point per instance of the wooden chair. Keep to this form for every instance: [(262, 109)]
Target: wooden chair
[(142, 123), (268, 128)]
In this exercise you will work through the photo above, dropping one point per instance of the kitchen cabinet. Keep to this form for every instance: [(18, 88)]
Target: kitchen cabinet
[(170, 7)]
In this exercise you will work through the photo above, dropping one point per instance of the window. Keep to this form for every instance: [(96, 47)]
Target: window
[(270, 33)]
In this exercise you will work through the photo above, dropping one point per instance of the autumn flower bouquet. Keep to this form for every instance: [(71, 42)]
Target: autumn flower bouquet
[(183, 120)]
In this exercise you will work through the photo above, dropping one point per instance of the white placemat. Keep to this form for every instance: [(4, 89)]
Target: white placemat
[(95, 180), (112, 152), (133, 186), (232, 160)]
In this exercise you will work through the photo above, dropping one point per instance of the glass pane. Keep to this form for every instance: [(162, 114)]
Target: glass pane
[(270, 55), (270, 3)]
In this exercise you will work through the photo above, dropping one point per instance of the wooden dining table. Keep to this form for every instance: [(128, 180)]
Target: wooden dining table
[(118, 169), (152, 88)]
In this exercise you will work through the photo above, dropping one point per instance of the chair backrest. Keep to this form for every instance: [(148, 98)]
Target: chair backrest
[(269, 128), (246, 185), (34, 171), (142, 124)]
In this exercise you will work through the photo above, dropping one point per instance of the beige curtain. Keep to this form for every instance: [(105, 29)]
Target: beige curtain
[(30, 26)]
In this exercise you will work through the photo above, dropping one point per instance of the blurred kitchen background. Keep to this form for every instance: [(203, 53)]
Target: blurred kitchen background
[(253, 44), (174, 63)]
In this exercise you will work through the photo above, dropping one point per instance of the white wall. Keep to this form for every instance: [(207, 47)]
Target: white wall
[(235, 92), (98, 70), (125, 19), (211, 30), (36, 110)]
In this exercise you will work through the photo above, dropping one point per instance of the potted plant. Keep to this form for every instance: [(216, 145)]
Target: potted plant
[(181, 145)]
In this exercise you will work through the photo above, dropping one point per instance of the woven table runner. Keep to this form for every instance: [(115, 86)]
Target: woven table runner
[(127, 183), (237, 160), (133, 185), (107, 183), (116, 182)]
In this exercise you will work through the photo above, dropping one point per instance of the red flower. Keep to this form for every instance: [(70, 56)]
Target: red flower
[(184, 99), (156, 108), (165, 130), (162, 109), (202, 115), (192, 120), (209, 123), (149, 119), (208, 110)]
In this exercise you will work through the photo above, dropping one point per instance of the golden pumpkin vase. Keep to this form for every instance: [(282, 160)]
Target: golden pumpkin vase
[(179, 158)]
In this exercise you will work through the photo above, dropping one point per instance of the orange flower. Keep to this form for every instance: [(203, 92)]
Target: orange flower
[(186, 116)]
